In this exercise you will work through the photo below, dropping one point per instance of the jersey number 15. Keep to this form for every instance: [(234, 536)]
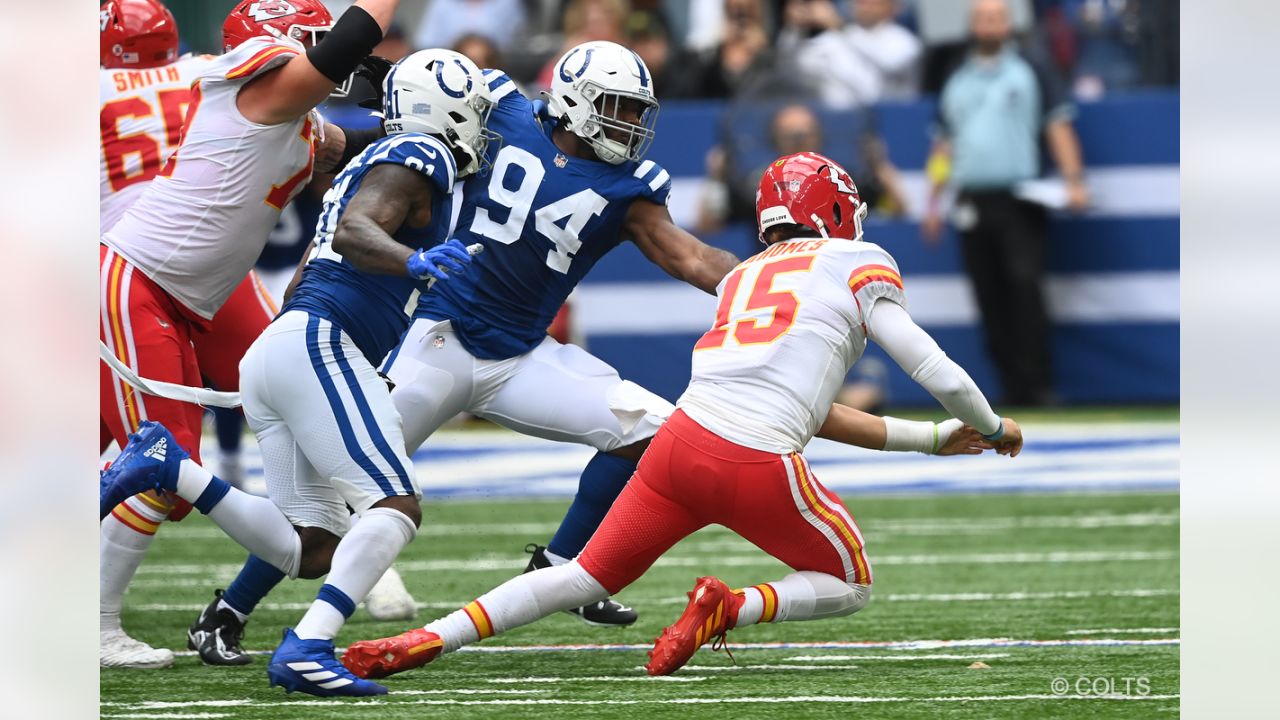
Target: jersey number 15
[(749, 330)]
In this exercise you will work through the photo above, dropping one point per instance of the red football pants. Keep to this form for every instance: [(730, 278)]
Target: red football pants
[(157, 338), (690, 478)]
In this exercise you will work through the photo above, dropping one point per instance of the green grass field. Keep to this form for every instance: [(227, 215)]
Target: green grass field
[(969, 569)]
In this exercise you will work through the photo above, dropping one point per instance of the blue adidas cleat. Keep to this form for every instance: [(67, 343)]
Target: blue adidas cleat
[(309, 666), (149, 462)]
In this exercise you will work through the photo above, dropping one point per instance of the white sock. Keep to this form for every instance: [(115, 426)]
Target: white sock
[(124, 538), (361, 558), (222, 605), (254, 522), (519, 601), (804, 595)]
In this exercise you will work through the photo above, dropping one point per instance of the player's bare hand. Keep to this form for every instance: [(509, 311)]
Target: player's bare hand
[(964, 441), (1011, 442)]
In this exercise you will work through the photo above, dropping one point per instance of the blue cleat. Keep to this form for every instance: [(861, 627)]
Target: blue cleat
[(149, 462), (309, 666)]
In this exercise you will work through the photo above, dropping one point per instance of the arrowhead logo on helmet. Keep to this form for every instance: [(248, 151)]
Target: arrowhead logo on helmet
[(269, 9)]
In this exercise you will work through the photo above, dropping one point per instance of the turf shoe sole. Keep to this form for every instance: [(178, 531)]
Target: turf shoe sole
[(150, 461)]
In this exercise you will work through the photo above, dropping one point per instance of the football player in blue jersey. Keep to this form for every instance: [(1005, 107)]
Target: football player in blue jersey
[(569, 184), (329, 433)]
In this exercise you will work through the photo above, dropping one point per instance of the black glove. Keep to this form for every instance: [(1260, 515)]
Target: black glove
[(373, 69)]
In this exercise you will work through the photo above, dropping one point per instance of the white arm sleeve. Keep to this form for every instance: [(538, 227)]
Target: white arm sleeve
[(889, 325)]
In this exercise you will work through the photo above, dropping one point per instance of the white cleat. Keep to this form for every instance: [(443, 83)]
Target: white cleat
[(118, 650), (389, 600)]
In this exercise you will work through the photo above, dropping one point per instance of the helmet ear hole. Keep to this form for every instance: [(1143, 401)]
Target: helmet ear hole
[(835, 214), (457, 116), (569, 101)]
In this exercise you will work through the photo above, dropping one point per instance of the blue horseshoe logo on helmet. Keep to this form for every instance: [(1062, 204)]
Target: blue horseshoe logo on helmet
[(564, 73), (448, 90)]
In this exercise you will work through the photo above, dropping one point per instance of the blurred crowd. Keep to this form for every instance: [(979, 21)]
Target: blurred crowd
[(848, 53)]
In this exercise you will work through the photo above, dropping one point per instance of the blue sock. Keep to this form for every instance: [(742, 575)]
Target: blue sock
[(602, 481), (230, 426), (255, 580)]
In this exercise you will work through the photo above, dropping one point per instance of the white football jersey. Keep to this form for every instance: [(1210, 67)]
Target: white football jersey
[(141, 117), (198, 228), (790, 323)]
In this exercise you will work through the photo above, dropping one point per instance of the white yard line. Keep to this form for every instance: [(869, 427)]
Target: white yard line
[(1123, 631), (377, 704), (838, 645), (889, 597), (903, 526), (491, 563), (595, 678), (943, 656)]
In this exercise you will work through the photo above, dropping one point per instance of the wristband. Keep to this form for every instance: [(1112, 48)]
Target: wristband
[(346, 45), (995, 435), (909, 436)]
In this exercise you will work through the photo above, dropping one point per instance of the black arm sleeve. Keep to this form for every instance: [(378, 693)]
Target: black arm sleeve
[(358, 140), (351, 39)]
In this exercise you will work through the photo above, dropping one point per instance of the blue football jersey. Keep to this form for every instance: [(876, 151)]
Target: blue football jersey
[(544, 219), (374, 310)]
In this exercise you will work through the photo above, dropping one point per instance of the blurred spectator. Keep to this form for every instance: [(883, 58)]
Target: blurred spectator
[(854, 64), (729, 194), (480, 50), (650, 37), (992, 113), (447, 20), (741, 58), (1106, 39), (584, 21), (394, 45)]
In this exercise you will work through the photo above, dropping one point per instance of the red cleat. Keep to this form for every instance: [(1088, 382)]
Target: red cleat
[(388, 656), (710, 613)]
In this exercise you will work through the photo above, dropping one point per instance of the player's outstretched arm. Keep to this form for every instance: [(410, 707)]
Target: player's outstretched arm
[(389, 196), (341, 144), (890, 327), (299, 85), (853, 427), (682, 255)]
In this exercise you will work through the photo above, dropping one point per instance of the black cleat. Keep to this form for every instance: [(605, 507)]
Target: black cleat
[(216, 636), (606, 613)]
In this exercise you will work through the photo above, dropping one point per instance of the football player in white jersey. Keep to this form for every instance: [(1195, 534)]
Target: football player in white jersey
[(183, 248), (144, 90), (791, 322), (330, 436)]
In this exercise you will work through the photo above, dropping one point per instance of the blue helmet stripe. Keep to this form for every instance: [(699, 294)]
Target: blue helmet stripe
[(644, 74)]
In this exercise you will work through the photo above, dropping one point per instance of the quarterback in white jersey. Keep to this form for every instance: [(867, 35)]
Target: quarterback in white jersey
[(790, 324)]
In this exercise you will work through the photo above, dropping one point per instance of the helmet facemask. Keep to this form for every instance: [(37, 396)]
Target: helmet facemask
[(474, 145), (614, 138)]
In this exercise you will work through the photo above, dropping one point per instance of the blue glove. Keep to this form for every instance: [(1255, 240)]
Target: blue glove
[(541, 110), (434, 263)]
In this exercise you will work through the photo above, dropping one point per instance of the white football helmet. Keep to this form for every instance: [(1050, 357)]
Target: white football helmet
[(440, 92), (588, 88)]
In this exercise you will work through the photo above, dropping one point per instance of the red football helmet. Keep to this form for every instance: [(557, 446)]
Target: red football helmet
[(811, 190), (297, 22), (137, 34)]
